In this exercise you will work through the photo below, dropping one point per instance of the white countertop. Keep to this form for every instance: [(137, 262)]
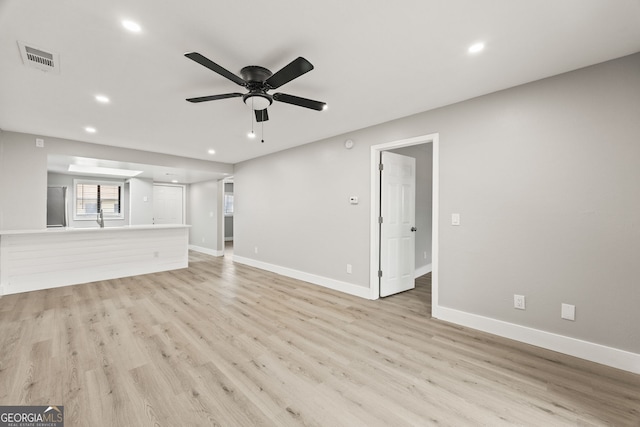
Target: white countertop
[(93, 229)]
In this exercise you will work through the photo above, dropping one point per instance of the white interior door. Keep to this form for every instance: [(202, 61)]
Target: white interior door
[(397, 230), (168, 204)]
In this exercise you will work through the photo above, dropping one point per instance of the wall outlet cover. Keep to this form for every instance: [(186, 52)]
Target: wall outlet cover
[(519, 302)]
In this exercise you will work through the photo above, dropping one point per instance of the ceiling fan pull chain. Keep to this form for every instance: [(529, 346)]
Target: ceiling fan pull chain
[(263, 132), (251, 113)]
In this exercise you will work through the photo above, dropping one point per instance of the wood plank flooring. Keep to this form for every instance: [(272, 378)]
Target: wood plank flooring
[(222, 344)]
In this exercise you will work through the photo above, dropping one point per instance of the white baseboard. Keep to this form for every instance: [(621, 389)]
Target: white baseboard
[(337, 285), (421, 271), (604, 355), (206, 250)]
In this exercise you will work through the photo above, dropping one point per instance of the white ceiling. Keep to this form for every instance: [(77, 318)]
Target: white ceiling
[(375, 60)]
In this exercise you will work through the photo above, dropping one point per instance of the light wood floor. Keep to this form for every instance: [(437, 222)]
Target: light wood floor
[(224, 344)]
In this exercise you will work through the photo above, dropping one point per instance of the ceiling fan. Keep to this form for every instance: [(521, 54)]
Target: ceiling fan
[(259, 80)]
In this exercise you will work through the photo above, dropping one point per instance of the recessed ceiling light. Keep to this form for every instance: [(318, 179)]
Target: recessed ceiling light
[(175, 181), (134, 27), (102, 171), (476, 47), (211, 151), (90, 129), (102, 99)]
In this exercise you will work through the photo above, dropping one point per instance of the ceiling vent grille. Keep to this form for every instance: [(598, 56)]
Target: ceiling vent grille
[(40, 59)]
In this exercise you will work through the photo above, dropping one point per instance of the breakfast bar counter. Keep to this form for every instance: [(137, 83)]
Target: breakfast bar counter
[(48, 258)]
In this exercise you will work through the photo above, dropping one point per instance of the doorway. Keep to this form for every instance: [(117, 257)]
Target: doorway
[(227, 213), (375, 256)]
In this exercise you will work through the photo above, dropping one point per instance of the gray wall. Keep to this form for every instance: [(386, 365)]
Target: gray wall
[(423, 154), (203, 215), (294, 208), (228, 228), (140, 201), (23, 183), (544, 175)]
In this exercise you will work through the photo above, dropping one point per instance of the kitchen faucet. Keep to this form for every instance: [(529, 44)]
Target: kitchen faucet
[(100, 219)]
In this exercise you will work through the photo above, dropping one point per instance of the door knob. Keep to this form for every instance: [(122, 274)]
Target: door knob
[(414, 229)]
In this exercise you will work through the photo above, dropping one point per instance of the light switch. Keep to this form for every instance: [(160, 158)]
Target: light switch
[(39, 142), (568, 312), (455, 219), (353, 200)]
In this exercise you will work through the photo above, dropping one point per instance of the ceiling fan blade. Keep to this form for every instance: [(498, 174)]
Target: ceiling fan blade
[(291, 71), (301, 102), (214, 97), (262, 115), (195, 56)]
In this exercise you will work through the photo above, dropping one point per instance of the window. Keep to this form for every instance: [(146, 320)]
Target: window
[(228, 204), (91, 196)]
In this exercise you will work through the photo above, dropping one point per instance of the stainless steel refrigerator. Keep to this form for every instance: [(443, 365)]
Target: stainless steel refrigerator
[(56, 206)]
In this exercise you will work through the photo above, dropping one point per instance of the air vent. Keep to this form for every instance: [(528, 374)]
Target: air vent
[(39, 58)]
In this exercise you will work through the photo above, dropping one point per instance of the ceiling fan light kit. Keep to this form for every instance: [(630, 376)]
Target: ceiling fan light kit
[(257, 101), (258, 81)]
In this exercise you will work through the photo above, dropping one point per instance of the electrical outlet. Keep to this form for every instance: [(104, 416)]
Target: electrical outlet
[(349, 269), (519, 302), (203, 240), (255, 249)]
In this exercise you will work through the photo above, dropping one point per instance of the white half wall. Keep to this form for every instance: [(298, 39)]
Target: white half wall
[(45, 259)]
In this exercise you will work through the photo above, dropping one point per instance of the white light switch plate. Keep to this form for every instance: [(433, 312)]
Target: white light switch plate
[(568, 312), (455, 219)]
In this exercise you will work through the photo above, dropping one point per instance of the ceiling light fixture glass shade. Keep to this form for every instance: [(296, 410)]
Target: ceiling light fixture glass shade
[(257, 101)]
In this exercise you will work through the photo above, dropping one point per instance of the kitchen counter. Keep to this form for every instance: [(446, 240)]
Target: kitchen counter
[(91, 229)]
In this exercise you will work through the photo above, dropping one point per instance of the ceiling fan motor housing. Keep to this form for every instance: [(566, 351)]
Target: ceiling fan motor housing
[(255, 76)]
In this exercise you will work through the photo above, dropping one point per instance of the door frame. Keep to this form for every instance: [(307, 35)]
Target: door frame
[(374, 282)]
